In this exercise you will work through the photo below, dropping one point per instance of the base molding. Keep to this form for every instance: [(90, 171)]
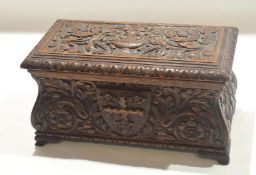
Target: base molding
[(221, 155)]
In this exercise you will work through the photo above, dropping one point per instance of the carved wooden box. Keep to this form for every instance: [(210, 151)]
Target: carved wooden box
[(152, 85)]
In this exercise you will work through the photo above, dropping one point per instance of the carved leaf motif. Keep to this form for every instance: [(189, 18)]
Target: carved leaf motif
[(60, 111), (182, 115), (81, 90), (135, 40), (227, 99)]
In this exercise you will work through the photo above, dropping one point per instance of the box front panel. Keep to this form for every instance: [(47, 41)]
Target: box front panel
[(138, 114)]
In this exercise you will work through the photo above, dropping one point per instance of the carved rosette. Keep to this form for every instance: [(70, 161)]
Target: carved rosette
[(60, 105), (61, 115), (188, 115), (104, 109), (191, 128)]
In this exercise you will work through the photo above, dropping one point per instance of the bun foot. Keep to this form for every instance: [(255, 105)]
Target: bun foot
[(40, 143), (223, 161), (221, 158), (41, 139)]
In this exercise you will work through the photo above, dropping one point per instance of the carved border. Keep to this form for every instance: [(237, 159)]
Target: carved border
[(179, 146), (135, 70)]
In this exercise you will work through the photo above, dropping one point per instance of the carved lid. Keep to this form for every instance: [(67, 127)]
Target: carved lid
[(183, 52)]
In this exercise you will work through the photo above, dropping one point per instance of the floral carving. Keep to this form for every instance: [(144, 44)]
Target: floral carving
[(61, 115), (227, 99), (186, 115), (136, 40), (162, 114), (63, 106), (189, 128)]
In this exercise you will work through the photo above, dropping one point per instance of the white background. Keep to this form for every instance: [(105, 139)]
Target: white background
[(23, 23), (38, 15)]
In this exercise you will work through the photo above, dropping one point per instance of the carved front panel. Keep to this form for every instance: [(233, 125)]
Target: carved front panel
[(129, 111)]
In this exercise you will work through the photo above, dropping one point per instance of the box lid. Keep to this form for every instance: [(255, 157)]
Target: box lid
[(183, 52)]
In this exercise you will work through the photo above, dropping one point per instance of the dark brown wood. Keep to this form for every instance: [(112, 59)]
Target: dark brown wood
[(152, 85)]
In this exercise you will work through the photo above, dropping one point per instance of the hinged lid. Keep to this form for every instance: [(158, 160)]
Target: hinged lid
[(177, 52)]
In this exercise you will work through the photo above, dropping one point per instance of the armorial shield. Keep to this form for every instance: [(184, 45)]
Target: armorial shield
[(124, 111)]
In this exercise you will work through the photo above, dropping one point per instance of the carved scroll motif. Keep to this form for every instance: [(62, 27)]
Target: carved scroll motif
[(162, 114), (173, 42)]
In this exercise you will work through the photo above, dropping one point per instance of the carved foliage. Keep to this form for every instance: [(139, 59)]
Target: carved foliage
[(227, 99), (162, 114), (61, 105), (187, 115), (176, 42)]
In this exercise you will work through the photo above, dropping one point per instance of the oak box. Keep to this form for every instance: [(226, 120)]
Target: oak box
[(152, 85)]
